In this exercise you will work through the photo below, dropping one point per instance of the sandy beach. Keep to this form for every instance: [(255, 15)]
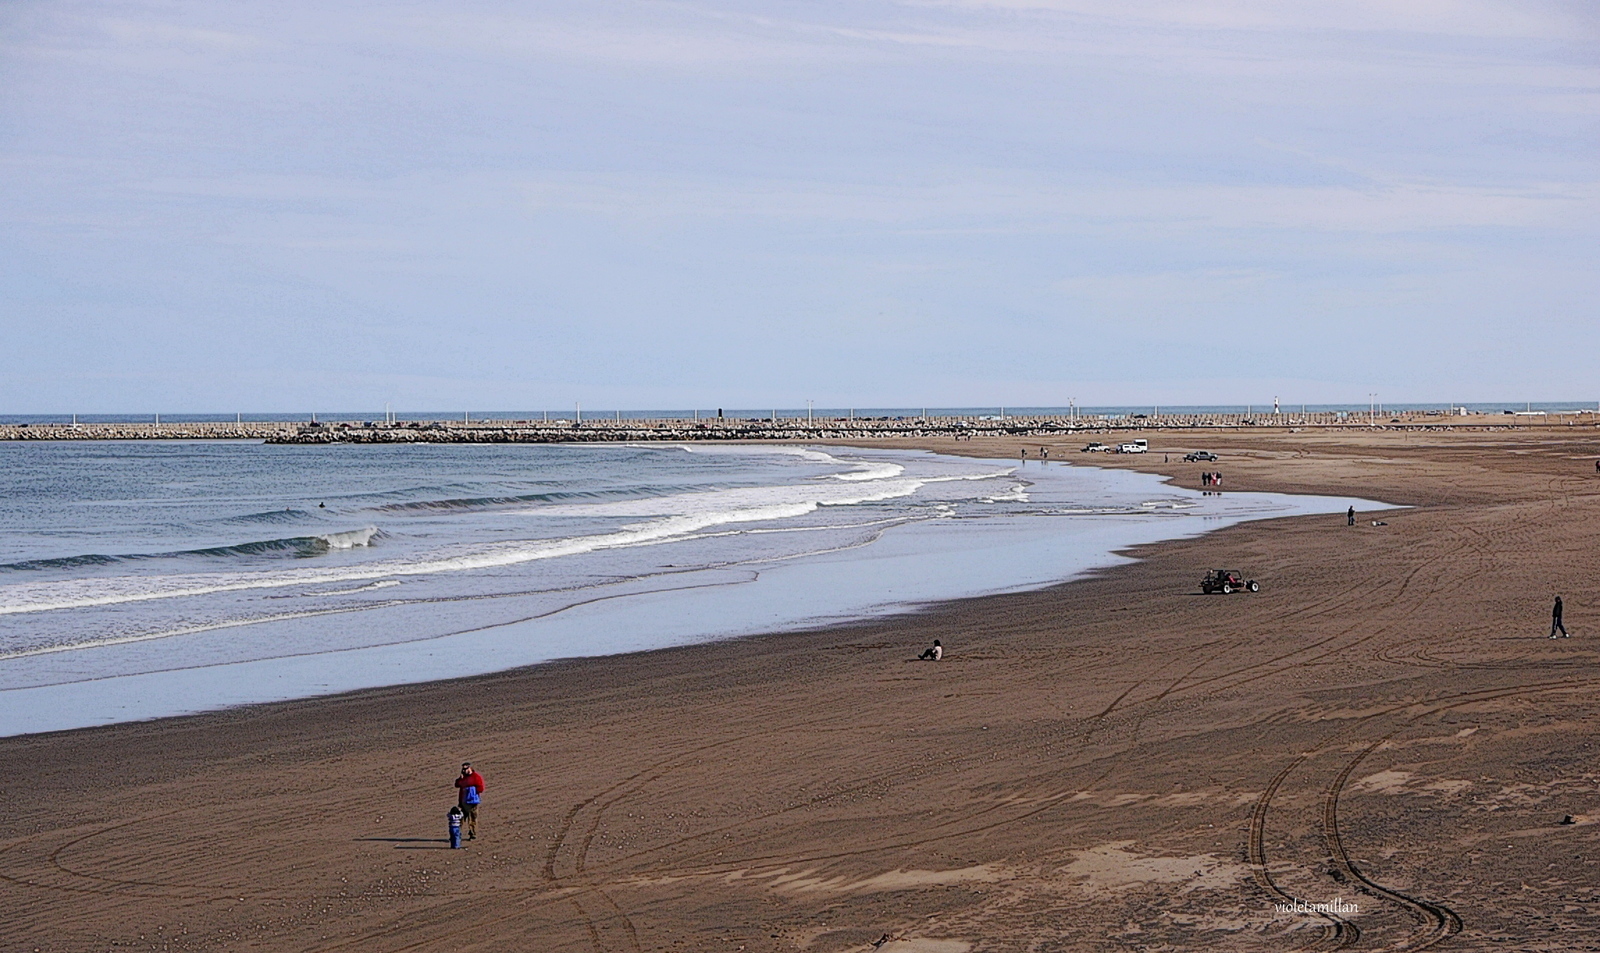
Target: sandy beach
[(1381, 748)]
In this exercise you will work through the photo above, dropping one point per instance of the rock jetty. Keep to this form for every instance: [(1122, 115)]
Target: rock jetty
[(777, 428), (604, 430)]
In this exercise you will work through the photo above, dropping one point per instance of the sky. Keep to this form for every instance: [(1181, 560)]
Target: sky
[(219, 206)]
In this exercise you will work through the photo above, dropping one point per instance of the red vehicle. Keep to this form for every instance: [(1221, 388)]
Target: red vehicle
[(1227, 581)]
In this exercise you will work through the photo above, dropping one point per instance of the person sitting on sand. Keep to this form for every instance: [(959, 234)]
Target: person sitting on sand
[(933, 653)]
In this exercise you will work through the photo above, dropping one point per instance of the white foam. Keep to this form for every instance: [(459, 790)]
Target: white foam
[(350, 538), (872, 471)]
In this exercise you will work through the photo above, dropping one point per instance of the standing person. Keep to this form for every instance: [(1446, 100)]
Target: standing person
[(1555, 620), (469, 788), (1350, 517), (454, 819), (1044, 454)]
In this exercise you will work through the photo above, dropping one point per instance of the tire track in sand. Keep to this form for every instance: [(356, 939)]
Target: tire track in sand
[(1437, 921)]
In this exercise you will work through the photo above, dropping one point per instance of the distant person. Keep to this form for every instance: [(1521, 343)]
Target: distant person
[(469, 794), (454, 818), (1024, 454), (1350, 516), (1044, 454), (932, 653), (1164, 458), (1555, 620)]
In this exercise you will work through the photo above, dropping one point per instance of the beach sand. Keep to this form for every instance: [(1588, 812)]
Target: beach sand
[(1113, 763)]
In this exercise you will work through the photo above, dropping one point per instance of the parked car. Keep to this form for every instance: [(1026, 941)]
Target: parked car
[(1139, 447), (1227, 581), (1199, 456), (1095, 448)]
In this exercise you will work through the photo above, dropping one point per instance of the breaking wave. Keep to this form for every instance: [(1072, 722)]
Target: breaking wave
[(667, 519), (292, 546)]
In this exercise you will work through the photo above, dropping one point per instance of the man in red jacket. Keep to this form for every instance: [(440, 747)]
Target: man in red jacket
[(469, 794)]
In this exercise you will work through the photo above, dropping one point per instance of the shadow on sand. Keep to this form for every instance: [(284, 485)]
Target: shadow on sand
[(411, 843)]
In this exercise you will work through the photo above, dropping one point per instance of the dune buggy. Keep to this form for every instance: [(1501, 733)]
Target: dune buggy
[(1226, 581)]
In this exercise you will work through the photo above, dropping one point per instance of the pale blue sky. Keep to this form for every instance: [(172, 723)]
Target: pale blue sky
[(214, 205)]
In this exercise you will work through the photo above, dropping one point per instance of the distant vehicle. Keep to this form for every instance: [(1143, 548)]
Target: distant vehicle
[(1095, 448), (1138, 446), (1199, 456), (1227, 581)]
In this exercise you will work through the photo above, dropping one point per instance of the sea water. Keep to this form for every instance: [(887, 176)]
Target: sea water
[(143, 579)]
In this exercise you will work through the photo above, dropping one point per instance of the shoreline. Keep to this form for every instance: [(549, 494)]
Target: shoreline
[(1108, 761), (915, 565)]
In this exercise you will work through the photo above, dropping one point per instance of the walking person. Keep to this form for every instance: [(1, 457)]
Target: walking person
[(469, 794), (1350, 517), (1555, 620)]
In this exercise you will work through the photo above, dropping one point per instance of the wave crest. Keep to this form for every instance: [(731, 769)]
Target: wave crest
[(291, 546)]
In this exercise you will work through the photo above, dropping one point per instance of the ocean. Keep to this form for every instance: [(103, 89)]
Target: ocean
[(151, 578)]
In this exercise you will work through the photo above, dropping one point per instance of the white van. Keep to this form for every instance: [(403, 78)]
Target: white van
[(1137, 446)]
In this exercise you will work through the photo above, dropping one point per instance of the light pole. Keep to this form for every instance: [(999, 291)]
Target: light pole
[(1372, 410), (808, 412)]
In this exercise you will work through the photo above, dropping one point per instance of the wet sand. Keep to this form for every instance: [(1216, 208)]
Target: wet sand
[(1113, 763)]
